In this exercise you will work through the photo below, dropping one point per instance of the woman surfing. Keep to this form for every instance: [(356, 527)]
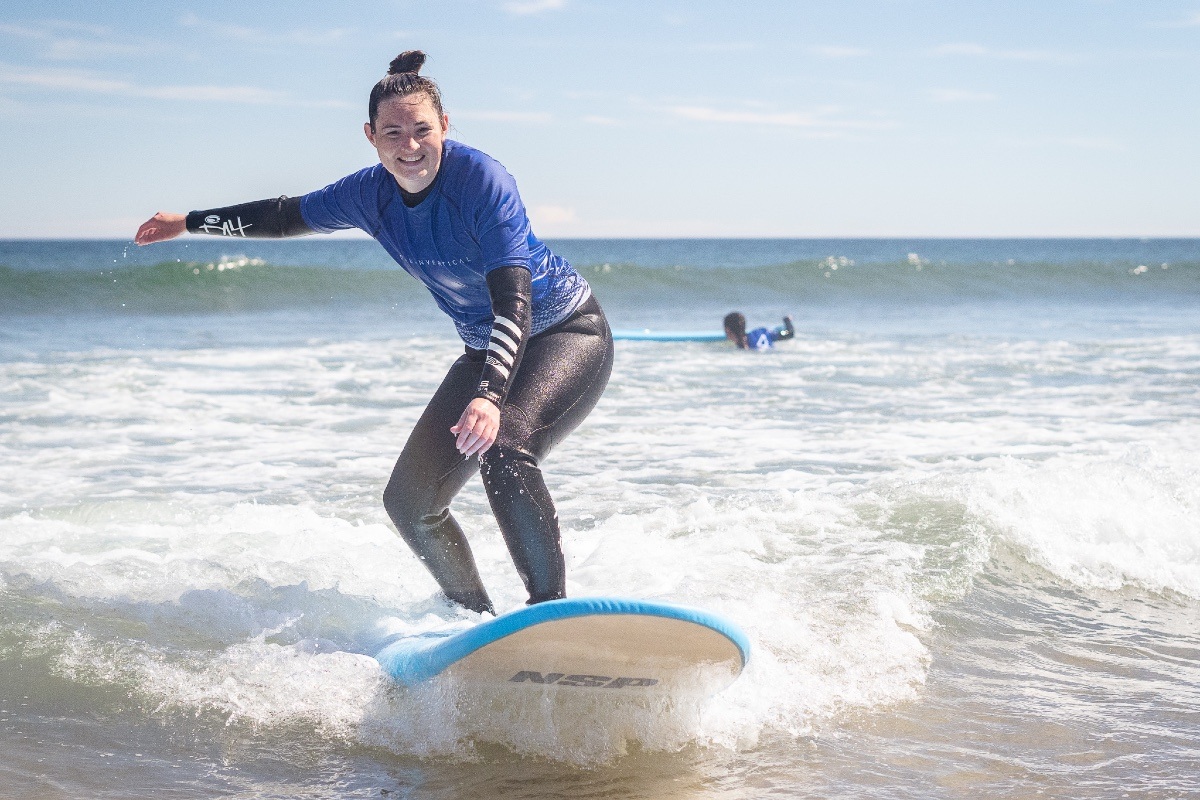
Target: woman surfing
[(538, 349)]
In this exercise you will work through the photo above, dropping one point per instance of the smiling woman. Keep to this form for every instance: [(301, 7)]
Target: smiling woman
[(538, 347), (408, 130)]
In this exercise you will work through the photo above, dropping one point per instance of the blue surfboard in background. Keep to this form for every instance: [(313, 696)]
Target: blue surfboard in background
[(647, 335)]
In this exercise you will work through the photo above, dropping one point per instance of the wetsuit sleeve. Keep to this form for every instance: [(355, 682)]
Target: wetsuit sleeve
[(262, 219), (788, 331), (511, 292)]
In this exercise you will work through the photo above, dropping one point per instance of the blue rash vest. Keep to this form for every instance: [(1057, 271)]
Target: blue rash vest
[(761, 339), (472, 222)]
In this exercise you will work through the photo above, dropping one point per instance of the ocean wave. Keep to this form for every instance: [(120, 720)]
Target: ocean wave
[(299, 278), (835, 280), (229, 284), (1112, 522)]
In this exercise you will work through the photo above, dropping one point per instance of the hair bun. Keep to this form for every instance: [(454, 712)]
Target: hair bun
[(408, 61), (402, 80)]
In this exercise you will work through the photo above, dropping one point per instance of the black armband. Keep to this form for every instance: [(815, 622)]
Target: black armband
[(511, 290), (263, 219)]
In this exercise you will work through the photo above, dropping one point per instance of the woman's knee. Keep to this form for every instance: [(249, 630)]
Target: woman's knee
[(506, 461), (407, 504)]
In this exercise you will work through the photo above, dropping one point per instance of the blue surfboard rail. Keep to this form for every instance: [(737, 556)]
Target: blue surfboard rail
[(647, 335), (415, 659)]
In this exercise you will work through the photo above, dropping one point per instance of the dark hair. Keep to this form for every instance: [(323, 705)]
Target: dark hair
[(735, 328), (402, 80)]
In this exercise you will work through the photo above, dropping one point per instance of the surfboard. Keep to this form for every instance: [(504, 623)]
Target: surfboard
[(589, 644), (647, 335)]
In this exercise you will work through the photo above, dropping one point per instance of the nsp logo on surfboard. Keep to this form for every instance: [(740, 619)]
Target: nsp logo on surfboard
[(590, 681)]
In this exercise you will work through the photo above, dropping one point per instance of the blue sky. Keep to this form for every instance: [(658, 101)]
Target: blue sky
[(851, 118)]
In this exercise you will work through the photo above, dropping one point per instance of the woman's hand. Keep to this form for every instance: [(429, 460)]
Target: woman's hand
[(162, 226), (477, 427)]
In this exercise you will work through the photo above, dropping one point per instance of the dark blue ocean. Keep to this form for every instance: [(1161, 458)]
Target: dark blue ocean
[(958, 517)]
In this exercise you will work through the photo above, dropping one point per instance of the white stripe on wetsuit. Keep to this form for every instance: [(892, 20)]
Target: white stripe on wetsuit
[(503, 347), (513, 327), (502, 344)]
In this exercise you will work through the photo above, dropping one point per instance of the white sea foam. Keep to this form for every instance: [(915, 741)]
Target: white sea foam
[(224, 503), (828, 611), (1128, 519)]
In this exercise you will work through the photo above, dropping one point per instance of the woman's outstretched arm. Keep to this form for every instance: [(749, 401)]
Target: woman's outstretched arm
[(262, 219)]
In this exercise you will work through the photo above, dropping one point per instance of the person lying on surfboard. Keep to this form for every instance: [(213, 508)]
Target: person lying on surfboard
[(538, 352), (759, 338)]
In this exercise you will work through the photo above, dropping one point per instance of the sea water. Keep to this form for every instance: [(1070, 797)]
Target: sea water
[(958, 517)]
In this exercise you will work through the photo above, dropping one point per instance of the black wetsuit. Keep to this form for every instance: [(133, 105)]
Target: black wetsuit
[(544, 384), (562, 374)]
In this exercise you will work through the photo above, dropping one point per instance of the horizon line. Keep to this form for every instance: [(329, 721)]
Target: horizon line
[(734, 237)]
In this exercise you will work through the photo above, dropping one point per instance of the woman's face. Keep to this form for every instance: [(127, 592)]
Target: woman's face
[(408, 136)]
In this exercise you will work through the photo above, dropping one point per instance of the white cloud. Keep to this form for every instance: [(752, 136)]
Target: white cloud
[(81, 82), (1191, 21), (959, 96), (259, 36), (527, 7), (972, 49), (1071, 142), (960, 50), (723, 47), (96, 42), (10, 106), (524, 117), (549, 216), (99, 31), (74, 80), (596, 119), (837, 51), (823, 120)]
